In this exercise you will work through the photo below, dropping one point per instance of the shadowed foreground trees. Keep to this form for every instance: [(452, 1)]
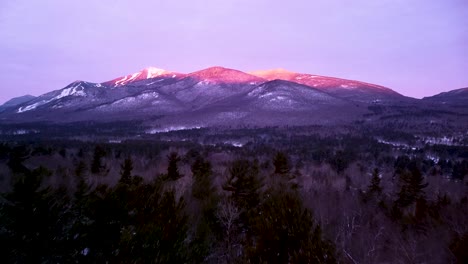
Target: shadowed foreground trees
[(283, 231), (33, 222), (136, 222), (230, 211), (131, 222)]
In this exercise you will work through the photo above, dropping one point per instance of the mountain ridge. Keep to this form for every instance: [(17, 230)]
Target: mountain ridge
[(215, 96)]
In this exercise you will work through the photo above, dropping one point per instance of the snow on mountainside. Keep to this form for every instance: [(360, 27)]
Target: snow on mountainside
[(286, 96), (275, 102), (354, 90), (213, 96), (207, 86), (17, 101), (148, 73), (76, 88)]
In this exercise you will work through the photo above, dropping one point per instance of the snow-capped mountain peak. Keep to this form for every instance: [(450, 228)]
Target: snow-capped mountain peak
[(224, 75), (344, 88), (273, 74), (75, 89), (152, 72), (147, 73)]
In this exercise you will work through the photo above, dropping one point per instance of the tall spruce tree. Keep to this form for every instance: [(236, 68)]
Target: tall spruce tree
[(126, 171), (283, 231), (97, 165), (202, 186), (173, 169), (412, 186), (206, 198), (34, 221), (244, 183), (281, 163)]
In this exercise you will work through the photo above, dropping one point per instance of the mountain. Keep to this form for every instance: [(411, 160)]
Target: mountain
[(60, 98), (454, 97), (210, 97), (224, 75), (17, 101), (348, 89), (270, 103), (145, 74), (201, 88)]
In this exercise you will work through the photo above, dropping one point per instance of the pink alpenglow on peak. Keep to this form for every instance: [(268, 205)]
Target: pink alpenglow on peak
[(320, 82), (225, 75), (147, 73)]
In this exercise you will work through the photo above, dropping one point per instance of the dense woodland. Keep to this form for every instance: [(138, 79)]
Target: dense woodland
[(252, 195)]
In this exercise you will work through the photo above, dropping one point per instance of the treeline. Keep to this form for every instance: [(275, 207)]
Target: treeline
[(259, 205), (145, 222)]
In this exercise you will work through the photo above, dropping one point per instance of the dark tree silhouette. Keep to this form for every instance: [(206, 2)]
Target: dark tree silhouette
[(411, 186), (460, 170), (281, 163), (202, 186), (34, 222), (207, 198), (340, 161), (17, 156), (244, 184), (375, 188), (172, 169), (283, 231), (126, 171), (97, 165)]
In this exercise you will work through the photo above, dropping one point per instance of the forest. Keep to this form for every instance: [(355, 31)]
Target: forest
[(247, 195)]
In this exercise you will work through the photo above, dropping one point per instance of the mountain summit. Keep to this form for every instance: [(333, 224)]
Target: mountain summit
[(225, 75), (349, 89), (147, 73), (209, 97)]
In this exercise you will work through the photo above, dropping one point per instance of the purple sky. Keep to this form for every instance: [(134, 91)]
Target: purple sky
[(416, 47)]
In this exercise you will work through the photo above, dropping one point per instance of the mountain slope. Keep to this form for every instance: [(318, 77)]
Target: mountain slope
[(454, 97), (201, 88), (210, 97), (224, 75), (271, 103), (348, 89), (145, 74), (289, 96), (17, 101), (57, 99)]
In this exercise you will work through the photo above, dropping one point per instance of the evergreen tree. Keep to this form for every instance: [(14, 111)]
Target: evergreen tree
[(98, 235), (202, 186), (340, 161), (283, 231), (207, 198), (411, 186), (34, 222), (172, 169), (401, 164), (97, 165), (281, 163), (17, 156), (244, 184), (157, 229), (126, 171)]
